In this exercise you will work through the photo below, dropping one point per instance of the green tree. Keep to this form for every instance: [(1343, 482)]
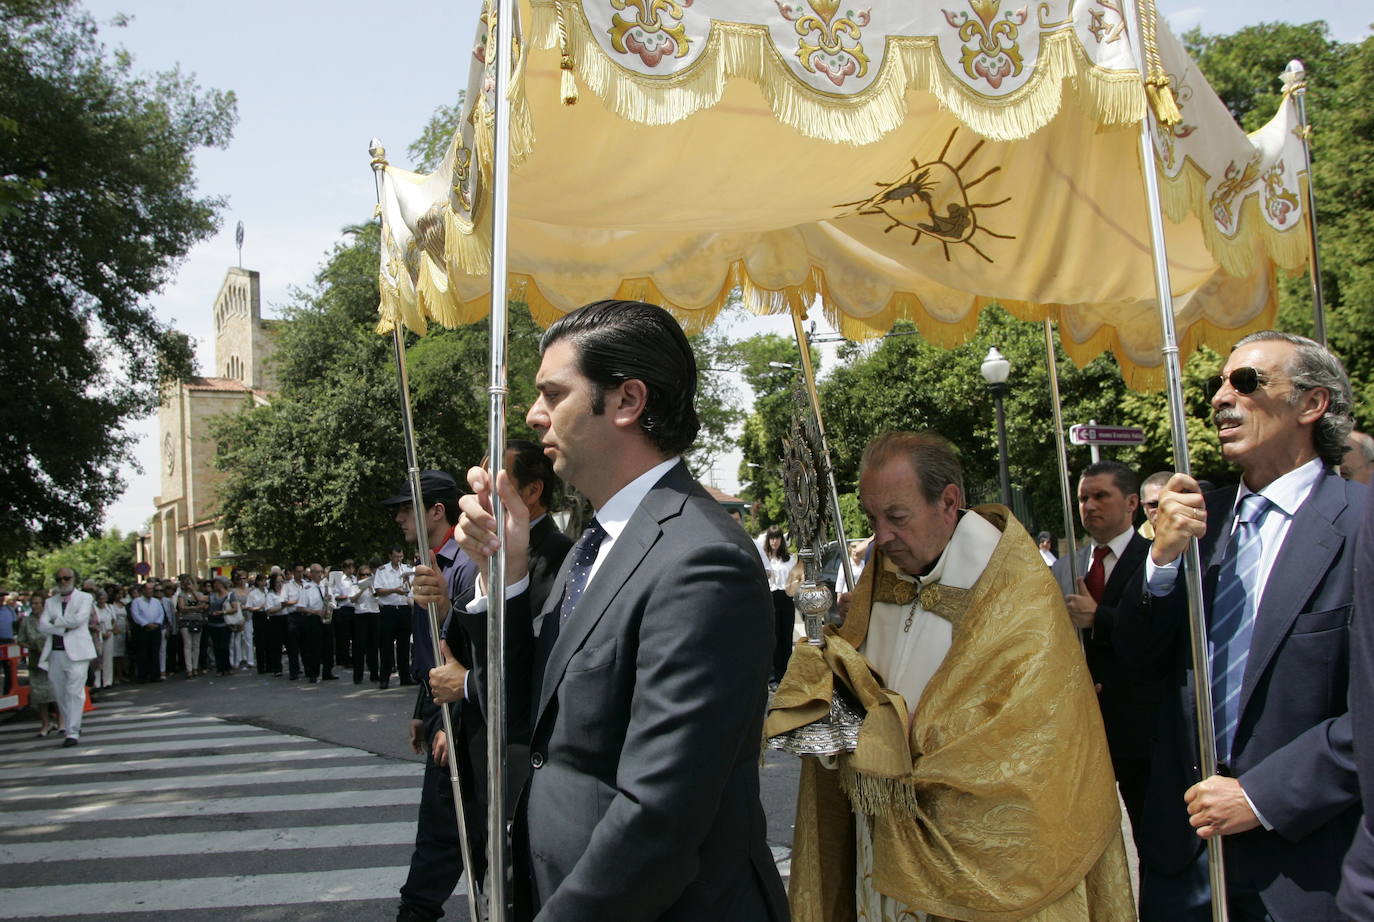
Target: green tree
[(341, 404), (305, 473), (1244, 70), (760, 473), (97, 206), (107, 557)]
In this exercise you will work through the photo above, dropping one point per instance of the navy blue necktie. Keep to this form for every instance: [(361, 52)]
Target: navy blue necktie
[(584, 555), (1233, 618)]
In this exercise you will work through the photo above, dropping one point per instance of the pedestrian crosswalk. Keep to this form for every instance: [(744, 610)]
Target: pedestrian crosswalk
[(160, 812)]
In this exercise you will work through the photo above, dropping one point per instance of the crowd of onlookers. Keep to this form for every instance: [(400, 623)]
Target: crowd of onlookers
[(291, 622)]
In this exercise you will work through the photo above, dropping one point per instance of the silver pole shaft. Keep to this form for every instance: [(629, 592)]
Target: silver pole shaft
[(421, 538), (804, 346), (497, 844), (1062, 453), (1310, 214), (1192, 560)]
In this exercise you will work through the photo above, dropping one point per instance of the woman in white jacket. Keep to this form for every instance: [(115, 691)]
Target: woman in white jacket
[(66, 619)]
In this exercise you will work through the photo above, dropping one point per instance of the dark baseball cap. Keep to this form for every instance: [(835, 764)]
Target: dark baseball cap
[(435, 487)]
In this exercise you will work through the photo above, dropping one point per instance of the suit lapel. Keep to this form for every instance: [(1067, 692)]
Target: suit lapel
[(1126, 564), (1304, 558), (663, 501)]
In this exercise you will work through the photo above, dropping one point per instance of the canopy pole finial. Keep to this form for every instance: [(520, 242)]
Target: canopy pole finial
[(1294, 79)]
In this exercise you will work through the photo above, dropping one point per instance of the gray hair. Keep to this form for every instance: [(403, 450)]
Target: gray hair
[(1314, 366), (1158, 478), (931, 456)]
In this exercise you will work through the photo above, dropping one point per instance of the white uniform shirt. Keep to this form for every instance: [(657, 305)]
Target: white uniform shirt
[(388, 582)]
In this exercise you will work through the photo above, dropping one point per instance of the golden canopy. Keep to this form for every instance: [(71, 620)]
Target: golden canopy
[(886, 160)]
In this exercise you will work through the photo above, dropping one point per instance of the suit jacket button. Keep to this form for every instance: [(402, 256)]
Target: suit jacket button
[(537, 759)]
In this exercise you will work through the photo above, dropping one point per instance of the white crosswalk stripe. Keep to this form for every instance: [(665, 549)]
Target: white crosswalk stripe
[(161, 811)]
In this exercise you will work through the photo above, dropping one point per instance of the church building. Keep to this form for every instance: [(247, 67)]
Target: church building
[(185, 535)]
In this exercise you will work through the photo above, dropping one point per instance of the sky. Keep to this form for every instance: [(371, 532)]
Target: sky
[(315, 82)]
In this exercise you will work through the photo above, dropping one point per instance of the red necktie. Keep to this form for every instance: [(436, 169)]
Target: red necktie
[(1096, 579)]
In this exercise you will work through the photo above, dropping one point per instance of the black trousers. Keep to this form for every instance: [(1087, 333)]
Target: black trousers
[(784, 619), (395, 642), (311, 639), (176, 652), (294, 626), (343, 635), (274, 641), (365, 633), (437, 862), (327, 647), (219, 640), (1133, 777), (261, 631), (146, 646)]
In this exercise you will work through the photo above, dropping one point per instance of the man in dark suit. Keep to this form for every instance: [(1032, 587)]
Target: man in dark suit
[(1109, 568), (1278, 584), (651, 675), (538, 486)]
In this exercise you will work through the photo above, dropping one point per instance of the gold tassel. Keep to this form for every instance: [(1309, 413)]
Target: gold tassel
[(1162, 102), (566, 83)]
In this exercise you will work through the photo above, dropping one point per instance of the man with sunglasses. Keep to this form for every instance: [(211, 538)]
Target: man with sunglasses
[(67, 657), (1277, 554)]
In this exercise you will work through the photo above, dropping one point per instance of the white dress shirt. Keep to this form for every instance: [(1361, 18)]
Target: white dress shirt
[(1286, 496), (1115, 548)]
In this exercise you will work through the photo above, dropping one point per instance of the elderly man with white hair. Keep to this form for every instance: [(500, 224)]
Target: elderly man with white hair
[(66, 619)]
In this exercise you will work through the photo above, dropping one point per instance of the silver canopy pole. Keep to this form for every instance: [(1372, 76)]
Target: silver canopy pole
[(1062, 454), (804, 346), (1160, 103), (417, 504), (497, 847), (1295, 83), (1065, 482), (1192, 565)]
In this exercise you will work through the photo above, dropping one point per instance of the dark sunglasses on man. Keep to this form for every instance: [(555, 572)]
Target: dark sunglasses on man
[(1245, 380)]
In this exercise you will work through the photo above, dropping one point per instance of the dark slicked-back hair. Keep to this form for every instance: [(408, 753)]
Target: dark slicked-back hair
[(1122, 476), (618, 341), (530, 465), (1313, 366), (931, 456)]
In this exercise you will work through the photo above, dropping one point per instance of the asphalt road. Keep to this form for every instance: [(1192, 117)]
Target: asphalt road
[(244, 798)]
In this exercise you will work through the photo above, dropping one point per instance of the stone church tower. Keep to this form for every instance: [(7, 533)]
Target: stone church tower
[(185, 536)]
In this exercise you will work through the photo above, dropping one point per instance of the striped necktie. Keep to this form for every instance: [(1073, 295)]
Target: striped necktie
[(1233, 618), (584, 555)]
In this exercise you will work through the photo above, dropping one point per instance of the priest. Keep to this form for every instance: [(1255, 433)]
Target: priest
[(980, 787)]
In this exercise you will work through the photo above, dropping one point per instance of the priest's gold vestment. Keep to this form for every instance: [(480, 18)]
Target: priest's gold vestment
[(995, 799)]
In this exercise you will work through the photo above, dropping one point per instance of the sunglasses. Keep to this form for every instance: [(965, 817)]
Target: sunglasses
[(1244, 380)]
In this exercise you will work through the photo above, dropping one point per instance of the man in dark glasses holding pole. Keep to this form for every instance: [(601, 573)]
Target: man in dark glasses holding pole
[(1277, 554)]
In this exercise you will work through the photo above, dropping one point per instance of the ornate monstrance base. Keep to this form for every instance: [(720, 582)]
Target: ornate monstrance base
[(831, 735)]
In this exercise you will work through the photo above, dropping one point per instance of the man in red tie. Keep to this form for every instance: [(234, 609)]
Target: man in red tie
[(1108, 567)]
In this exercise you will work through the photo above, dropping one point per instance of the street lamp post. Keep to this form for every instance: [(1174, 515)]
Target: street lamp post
[(995, 371)]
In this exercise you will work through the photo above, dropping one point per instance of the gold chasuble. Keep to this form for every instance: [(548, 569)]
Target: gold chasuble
[(995, 800)]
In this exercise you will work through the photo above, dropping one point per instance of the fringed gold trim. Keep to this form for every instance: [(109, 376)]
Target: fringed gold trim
[(1186, 193), (747, 51), (874, 796)]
